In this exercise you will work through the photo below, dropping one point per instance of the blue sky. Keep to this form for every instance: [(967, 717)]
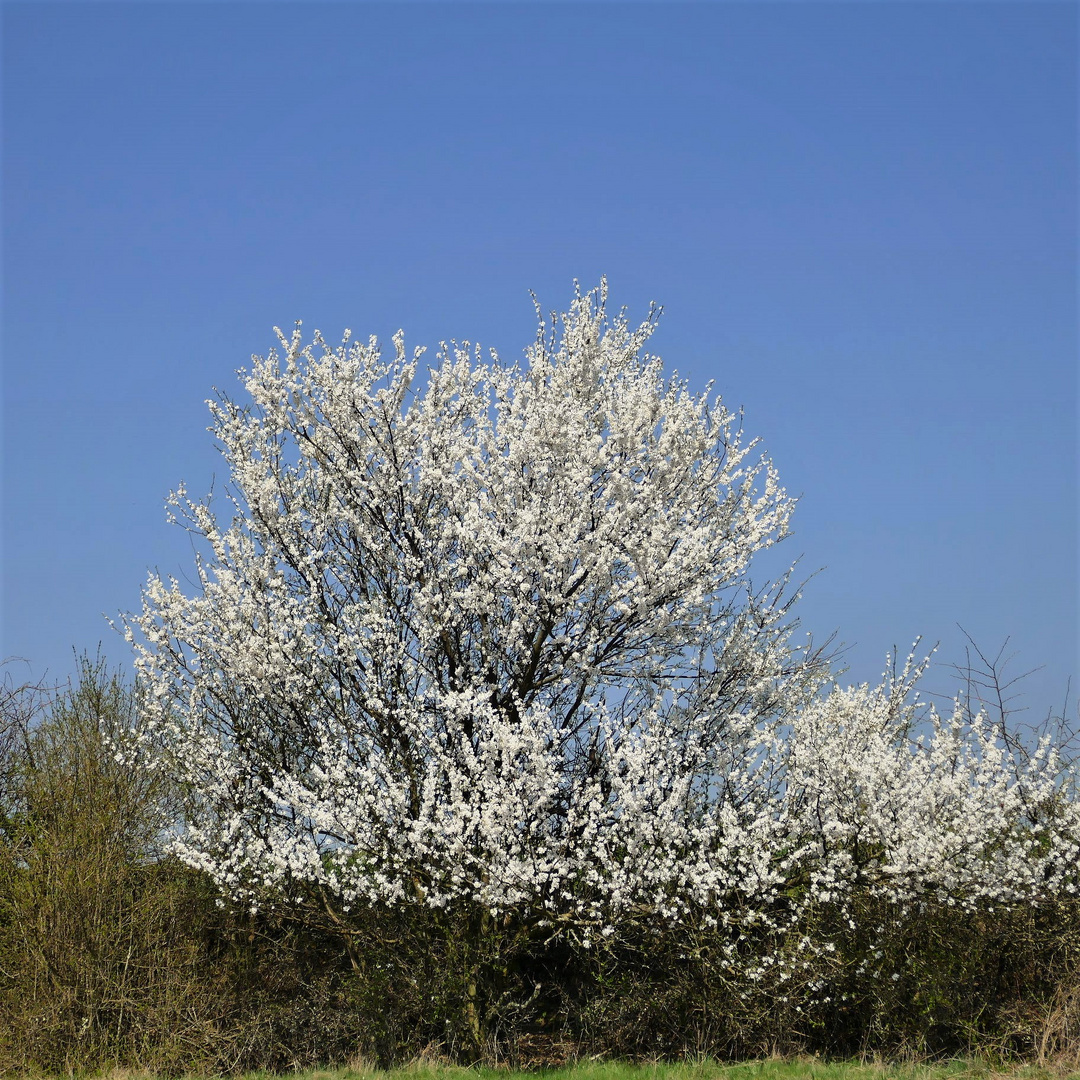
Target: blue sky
[(861, 219)]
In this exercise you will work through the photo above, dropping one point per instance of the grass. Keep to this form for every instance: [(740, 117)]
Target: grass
[(769, 1069)]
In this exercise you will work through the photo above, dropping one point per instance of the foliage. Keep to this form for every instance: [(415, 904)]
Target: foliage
[(113, 955), (478, 740), (490, 648)]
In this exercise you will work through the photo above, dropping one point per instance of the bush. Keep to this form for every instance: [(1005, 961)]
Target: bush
[(114, 954), (111, 953)]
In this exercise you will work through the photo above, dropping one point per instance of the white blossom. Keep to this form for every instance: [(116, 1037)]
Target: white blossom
[(493, 640)]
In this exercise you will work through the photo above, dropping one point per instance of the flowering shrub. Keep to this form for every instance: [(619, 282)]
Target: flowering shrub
[(491, 642)]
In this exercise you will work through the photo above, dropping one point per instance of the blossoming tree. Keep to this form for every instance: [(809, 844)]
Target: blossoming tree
[(487, 637)]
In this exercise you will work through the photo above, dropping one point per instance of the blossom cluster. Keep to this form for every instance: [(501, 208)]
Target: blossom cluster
[(493, 640)]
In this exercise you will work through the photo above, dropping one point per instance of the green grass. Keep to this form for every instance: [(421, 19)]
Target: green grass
[(770, 1069)]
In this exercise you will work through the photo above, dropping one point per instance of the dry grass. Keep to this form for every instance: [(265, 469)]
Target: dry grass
[(776, 1068)]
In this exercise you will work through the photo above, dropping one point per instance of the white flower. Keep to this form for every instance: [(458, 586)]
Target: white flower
[(492, 641)]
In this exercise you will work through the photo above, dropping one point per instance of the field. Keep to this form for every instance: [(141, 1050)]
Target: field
[(804, 1068), (771, 1069)]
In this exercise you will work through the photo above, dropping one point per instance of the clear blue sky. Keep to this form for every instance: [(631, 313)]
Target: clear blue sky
[(861, 219)]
